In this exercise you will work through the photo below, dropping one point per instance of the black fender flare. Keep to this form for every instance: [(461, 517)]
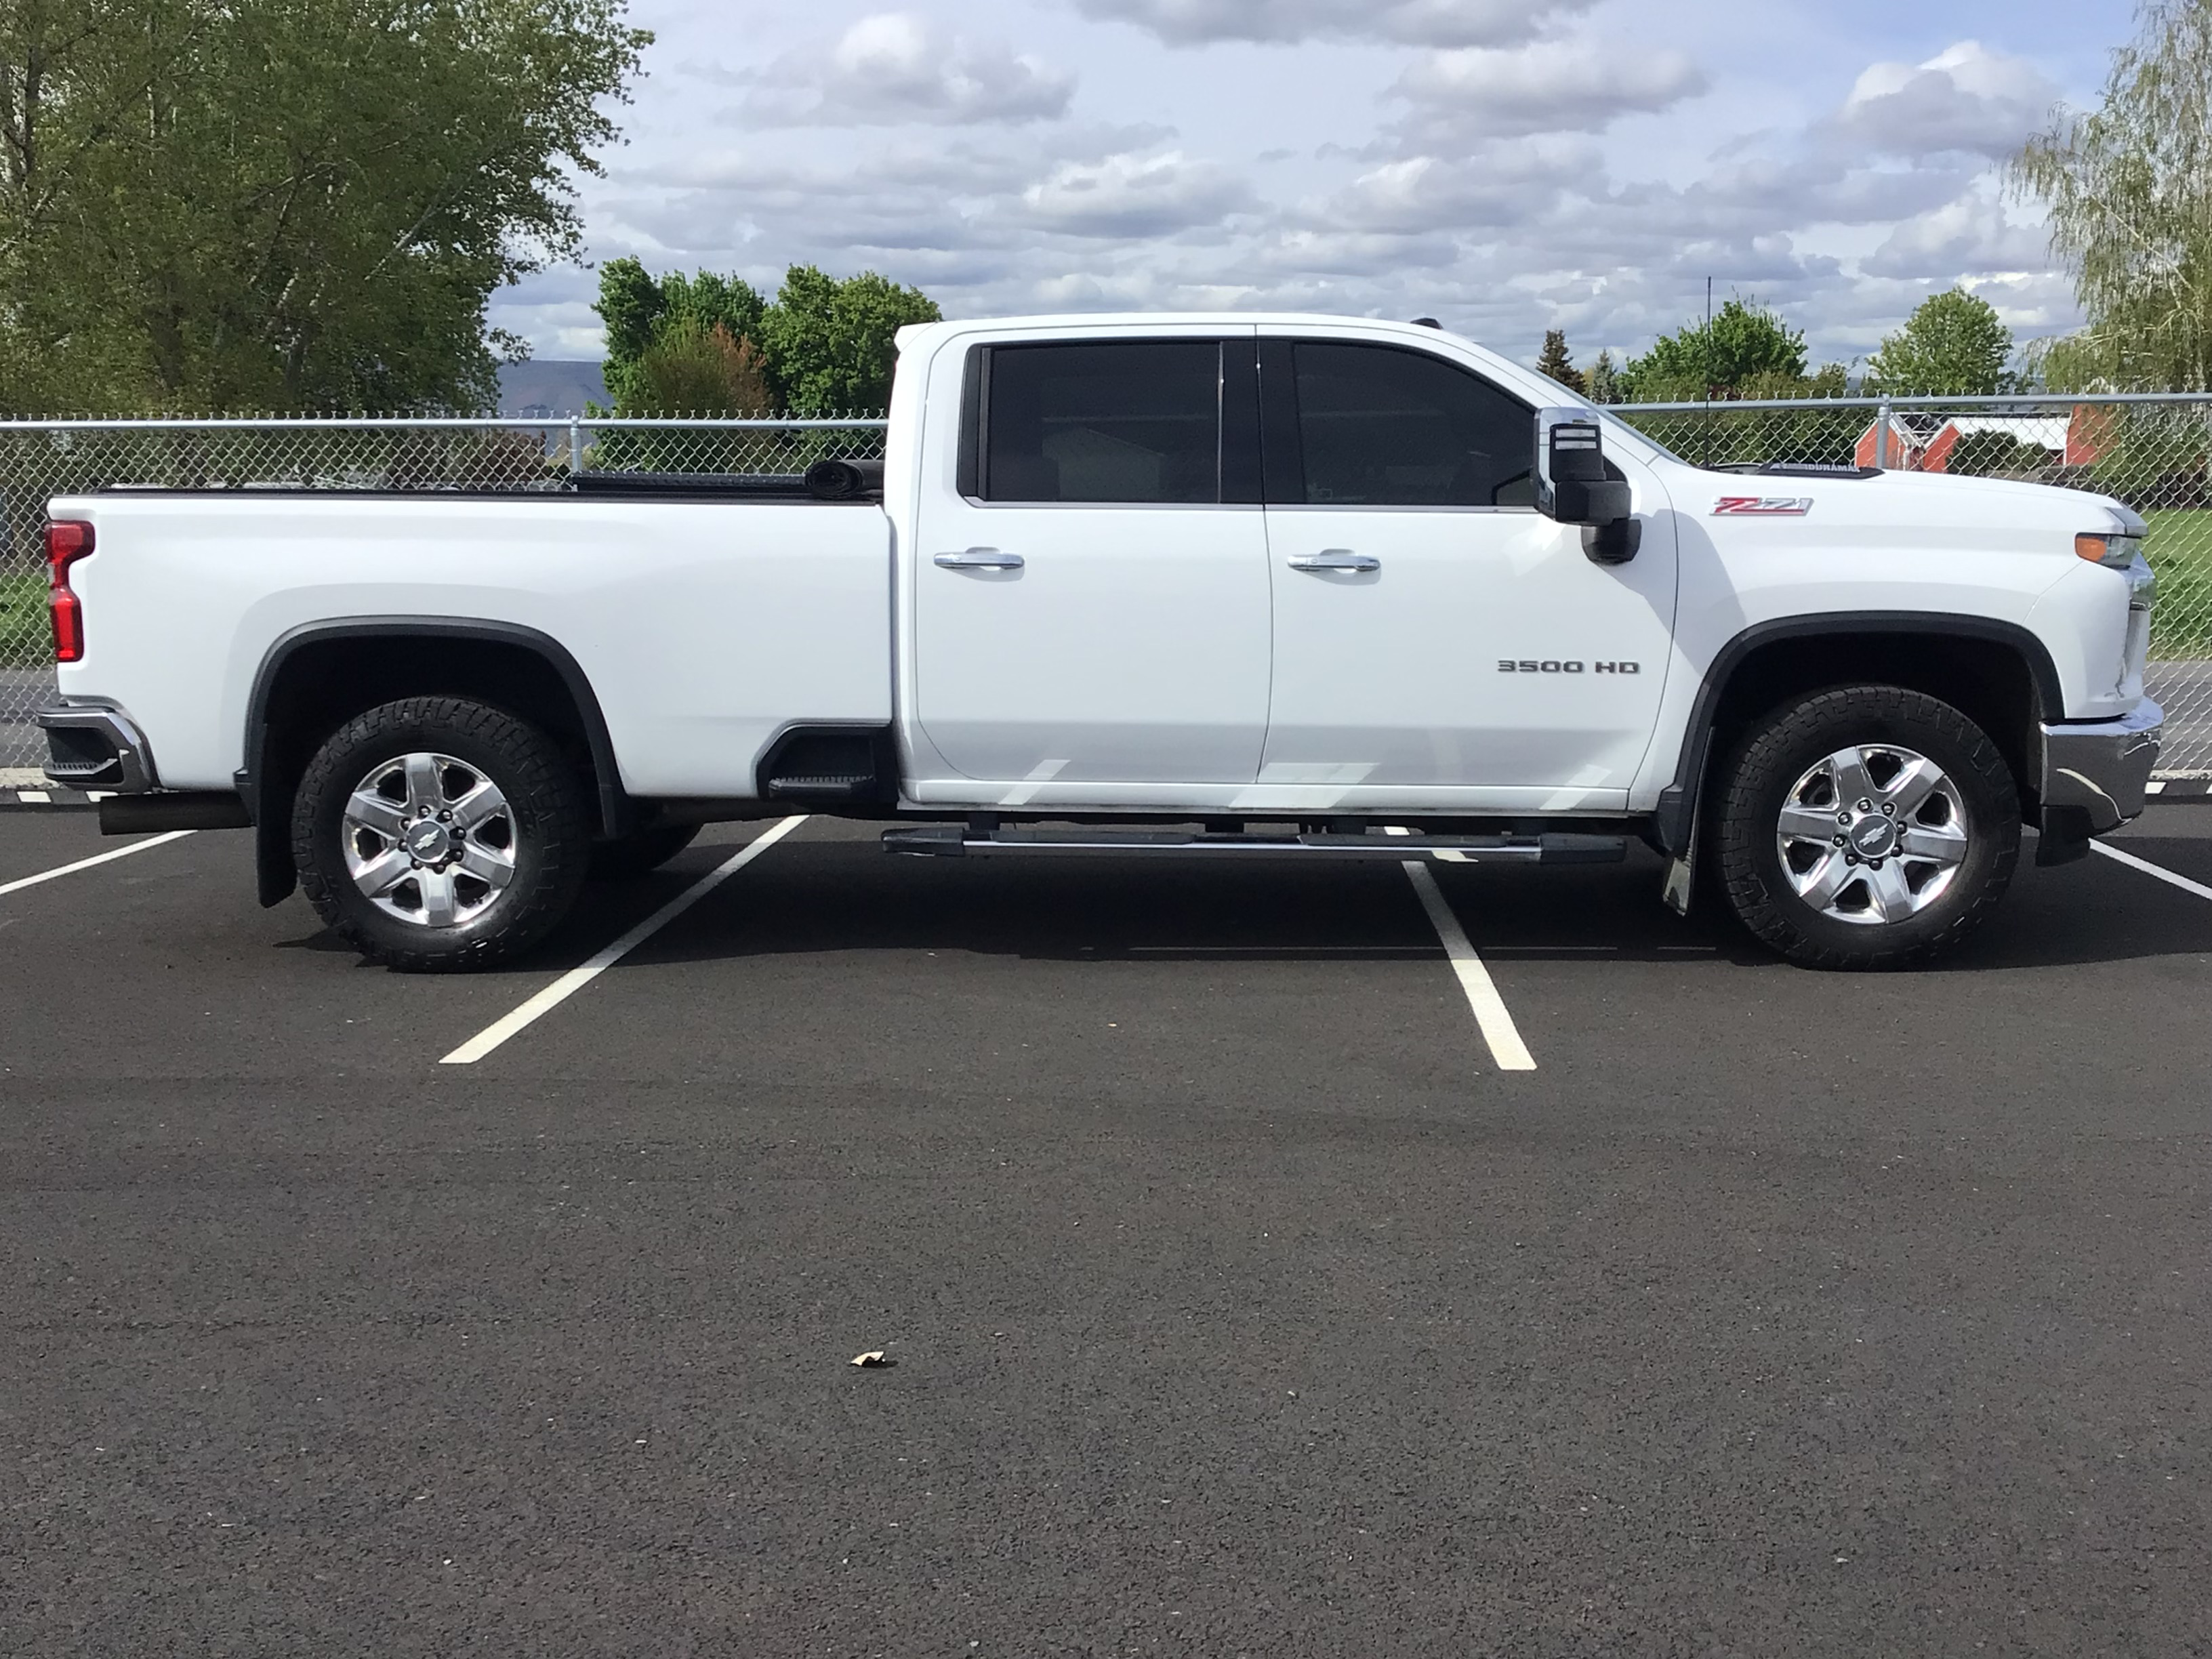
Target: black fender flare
[(259, 789), (1674, 821)]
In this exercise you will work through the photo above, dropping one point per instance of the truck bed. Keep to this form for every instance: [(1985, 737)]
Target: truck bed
[(703, 626)]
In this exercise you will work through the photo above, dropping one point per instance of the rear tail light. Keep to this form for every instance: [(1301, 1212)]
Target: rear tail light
[(68, 540)]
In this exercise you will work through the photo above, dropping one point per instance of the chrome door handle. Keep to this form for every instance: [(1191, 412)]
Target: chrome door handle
[(1336, 558), (980, 558)]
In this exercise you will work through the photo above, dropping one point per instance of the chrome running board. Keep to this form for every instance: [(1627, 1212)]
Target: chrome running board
[(949, 840)]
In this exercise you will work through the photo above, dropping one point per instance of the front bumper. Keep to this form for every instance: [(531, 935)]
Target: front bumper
[(90, 747), (2101, 767)]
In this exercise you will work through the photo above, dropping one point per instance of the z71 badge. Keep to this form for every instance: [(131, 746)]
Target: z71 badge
[(1763, 507)]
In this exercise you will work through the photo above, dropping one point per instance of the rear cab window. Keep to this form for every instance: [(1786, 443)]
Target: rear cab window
[(1157, 423)]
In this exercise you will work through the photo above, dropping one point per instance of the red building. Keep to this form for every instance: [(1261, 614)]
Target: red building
[(1923, 442)]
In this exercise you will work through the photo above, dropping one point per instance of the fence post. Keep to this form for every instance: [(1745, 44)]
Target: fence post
[(575, 445), (1881, 435)]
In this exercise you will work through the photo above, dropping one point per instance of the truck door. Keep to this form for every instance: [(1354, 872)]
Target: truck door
[(1431, 631), (1090, 578)]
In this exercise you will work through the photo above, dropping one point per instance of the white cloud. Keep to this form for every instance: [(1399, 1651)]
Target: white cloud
[(1968, 237), (1965, 98), (1514, 183), (893, 67), (1457, 159), (1135, 196), (1549, 86), (1408, 22)]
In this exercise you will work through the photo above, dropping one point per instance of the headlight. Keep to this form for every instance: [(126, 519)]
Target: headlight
[(2114, 552)]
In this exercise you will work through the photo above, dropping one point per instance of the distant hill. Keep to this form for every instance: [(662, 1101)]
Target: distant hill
[(549, 386)]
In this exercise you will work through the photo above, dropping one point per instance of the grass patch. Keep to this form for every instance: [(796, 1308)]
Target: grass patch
[(2179, 548), (27, 639)]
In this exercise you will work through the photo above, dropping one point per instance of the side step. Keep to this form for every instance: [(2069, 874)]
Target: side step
[(949, 840)]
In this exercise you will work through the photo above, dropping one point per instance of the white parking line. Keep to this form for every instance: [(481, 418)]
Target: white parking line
[(2128, 859), (87, 864), (1490, 1012), (577, 978)]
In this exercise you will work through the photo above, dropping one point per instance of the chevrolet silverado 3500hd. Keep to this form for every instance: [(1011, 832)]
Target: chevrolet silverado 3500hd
[(1199, 585)]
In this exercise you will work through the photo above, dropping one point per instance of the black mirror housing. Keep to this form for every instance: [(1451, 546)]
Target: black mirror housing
[(1573, 483), (1602, 502)]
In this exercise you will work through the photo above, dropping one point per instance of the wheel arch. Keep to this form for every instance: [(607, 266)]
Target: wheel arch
[(1998, 674), (314, 678)]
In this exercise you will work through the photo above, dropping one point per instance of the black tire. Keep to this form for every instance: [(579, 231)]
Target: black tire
[(641, 853), (1760, 876), (542, 818)]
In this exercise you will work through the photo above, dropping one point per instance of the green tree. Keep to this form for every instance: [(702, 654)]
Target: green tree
[(1557, 362), (677, 315), (1744, 340), (1983, 455), (1953, 344), (629, 304), (2127, 190), (1604, 385), (831, 346), (286, 204), (697, 368)]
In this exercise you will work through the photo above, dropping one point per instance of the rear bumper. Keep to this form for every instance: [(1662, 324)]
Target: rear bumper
[(2101, 769), (90, 747)]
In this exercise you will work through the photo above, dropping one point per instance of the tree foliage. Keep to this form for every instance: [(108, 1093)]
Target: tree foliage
[(285, 204), (1556, 362), (1953, 343), (1604, 380), (823, 347), (655, 324), (1745, 343), (701, 368), (2128, 191), (1985, 454), (832, 345)]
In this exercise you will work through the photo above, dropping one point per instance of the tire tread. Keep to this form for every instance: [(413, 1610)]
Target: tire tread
[(1739, 825), (535, 772)]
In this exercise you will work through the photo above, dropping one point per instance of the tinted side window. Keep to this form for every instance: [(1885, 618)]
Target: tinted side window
[(1105, 420), (1386, 428)]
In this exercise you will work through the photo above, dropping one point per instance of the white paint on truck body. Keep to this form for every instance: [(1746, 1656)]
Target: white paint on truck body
[(1142, 659)]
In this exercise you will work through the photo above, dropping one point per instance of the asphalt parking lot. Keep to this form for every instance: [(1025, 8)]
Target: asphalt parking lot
[(1239, 1302)]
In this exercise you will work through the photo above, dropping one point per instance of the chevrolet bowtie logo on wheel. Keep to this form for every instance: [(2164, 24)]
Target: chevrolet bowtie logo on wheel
[(1763, 507)]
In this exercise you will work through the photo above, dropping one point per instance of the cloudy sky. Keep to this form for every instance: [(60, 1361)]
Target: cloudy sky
[(1505, 165)]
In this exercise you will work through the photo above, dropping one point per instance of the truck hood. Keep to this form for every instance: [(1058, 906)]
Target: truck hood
[(1939, 499)]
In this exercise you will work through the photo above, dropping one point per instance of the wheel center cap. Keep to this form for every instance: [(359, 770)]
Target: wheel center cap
[(427, 841), (1872, 837)]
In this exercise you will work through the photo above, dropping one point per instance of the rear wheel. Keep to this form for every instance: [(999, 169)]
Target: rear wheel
[(1866, 827), (435, 834)]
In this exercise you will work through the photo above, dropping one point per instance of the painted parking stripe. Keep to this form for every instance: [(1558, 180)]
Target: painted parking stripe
[(1489, 1010), (2132, 862), (576, 979), (100, 858)]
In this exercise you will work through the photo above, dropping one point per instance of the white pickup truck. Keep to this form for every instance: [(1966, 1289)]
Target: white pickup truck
[(1186, 584)]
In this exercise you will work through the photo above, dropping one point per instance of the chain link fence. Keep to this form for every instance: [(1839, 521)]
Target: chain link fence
[(2150, 452)]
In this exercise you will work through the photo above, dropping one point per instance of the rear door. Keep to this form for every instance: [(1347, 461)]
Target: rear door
[(1432, 632), (1091, 596)]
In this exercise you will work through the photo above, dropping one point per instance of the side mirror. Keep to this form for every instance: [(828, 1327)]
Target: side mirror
[(1573, 487)]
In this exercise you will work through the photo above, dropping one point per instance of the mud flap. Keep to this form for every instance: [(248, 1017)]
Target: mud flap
[(1682, 872)]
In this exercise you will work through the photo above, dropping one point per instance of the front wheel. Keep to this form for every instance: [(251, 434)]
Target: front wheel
[(1866, 827), (435, 834)]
